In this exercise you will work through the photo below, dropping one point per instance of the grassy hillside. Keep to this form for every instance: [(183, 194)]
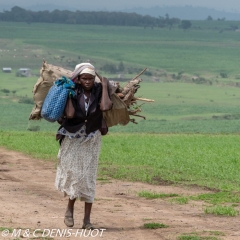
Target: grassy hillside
[(209, 51), (206, 49), (178, 107)]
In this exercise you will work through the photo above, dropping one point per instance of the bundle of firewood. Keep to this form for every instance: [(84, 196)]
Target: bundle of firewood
[(124, 101), (126, 94)]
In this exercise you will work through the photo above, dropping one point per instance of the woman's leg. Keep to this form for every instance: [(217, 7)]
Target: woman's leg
[(70, 207), (87, 213), (68, 219)]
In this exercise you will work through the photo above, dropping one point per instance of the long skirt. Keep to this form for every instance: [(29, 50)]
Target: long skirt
[(77, 167)]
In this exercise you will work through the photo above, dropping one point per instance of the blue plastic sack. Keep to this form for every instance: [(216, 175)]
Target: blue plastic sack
[(55, 101)]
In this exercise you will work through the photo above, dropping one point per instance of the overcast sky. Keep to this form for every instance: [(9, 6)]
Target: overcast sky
[(226, 5)]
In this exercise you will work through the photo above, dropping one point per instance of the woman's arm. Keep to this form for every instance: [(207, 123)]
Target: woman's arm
[(106, 103)]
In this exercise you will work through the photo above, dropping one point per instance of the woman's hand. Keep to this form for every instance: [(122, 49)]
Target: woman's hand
[(104, 81)]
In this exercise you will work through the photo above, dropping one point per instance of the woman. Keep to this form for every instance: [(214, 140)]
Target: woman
[(80, 142)]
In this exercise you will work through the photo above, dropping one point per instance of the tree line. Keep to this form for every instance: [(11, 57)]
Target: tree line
[(17, 14)]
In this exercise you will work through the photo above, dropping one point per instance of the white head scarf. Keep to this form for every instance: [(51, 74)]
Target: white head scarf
[(88, 70), (83, 64), (83, 68)]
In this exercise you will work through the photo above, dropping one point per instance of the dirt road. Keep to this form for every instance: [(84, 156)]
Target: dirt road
[(29, 201)]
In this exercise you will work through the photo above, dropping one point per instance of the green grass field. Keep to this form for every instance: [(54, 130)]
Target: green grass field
[(206, 160), (191, 132), (178, 108)]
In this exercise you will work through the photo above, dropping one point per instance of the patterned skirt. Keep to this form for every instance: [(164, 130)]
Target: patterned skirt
[(77, 166)]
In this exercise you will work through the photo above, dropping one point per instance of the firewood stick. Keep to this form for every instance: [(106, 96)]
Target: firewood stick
[(139, 116), (100, 77), (132, 102), (120, 95), (133, 112), (140, 73), (133, 121), (144, 99)]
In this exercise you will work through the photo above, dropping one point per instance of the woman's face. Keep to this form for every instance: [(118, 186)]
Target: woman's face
[(86, 80)]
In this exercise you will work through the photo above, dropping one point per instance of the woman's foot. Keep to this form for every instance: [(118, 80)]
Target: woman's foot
[(69, 221), (87, 226), (86, 220)]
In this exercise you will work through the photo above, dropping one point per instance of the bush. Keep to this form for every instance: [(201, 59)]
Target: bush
[(200, 80), (26, 100), (223, 75), (148, 73), (109, 67), (121, 67), (185, 24), (5, 90), (178, 77)]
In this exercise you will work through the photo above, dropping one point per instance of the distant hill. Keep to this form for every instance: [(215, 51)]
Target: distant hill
[(183, 13), (18, 14), (186, 12), (37, 7)]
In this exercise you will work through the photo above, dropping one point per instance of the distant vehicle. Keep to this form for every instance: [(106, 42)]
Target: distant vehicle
[(24, 72), (7, 70)]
